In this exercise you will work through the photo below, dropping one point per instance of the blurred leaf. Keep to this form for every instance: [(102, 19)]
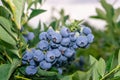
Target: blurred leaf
[(101, 13), (46, 73), (4, 12), (36, 12), (110, 63), (67, 78), (8, 69), (116, 15), (108, 8), (119, 58), (95, 74), (101, 67)]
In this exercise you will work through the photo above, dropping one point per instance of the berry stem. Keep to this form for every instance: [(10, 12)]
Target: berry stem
[(23, 78), (112, 71)]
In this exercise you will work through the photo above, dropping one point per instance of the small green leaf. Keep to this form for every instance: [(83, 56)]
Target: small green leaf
[(101, 13), (110, 63), (67, 78), (101, 67), (36, 12), (117, 14), (119, 58), (8, 69)]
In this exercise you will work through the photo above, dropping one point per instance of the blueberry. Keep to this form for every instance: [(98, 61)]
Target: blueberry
[(62, 49), (86, 30), (62, 58), (31, 70), (45, 65), (60, 71), (32, 62), (64, 32), (56, 52), (43, 36), (50, 32), (43, 45), (75, 46), (90, 38), (38, 55), (24, 62), (30, 36), (69, 52), (56, 38), (72, 36), (65, 41), (27, 55), (49, 56), (54, 45), (82, 41)]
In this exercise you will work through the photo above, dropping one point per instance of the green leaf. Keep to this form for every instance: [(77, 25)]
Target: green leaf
[(101, 13), (79, 75), (46, 73), (67, 78), (95, 74), (108, 8), (16, 6), (117, 14), (119, 58), (8, 69), (110, 63), (4, 12), (5, 31), (36, 12), (101, 67)]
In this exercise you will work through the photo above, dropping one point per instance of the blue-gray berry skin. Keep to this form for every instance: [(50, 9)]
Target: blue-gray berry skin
[(56, 52), (50, 32), (32, 62), (69, 52), (60, 70), (49, 56), (86, 30), (30, 36), (38, 55), (31, 70), (90, 38), (54, 45), (43, 45), (45, 65), (62, 58), (65, 42), (82, 41), (28, 55), (75, 46), (64, 32), (62, 49), (72, 36), (43, 36), (56, 37), (24, 62)]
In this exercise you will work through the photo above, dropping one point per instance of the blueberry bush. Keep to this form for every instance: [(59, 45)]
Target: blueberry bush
[(56, 52)]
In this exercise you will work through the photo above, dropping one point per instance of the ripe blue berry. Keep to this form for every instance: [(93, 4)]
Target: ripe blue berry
[(65, 41), (27, 55), (32, 62), (60, 71), (62, 58), (38, 55), (54, 45), (43, 45), (49, 56), (31, 70), (43, 36), (45, 65), (69, 52), (82, 41), (56, 38), (30, 36), (90, 38), (56, 52), (62, 49), (50, 32), (86, 30), (72, 36), (64, 32)]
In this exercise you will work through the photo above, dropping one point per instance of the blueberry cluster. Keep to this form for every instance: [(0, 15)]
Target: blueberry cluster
[(56, 49)]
